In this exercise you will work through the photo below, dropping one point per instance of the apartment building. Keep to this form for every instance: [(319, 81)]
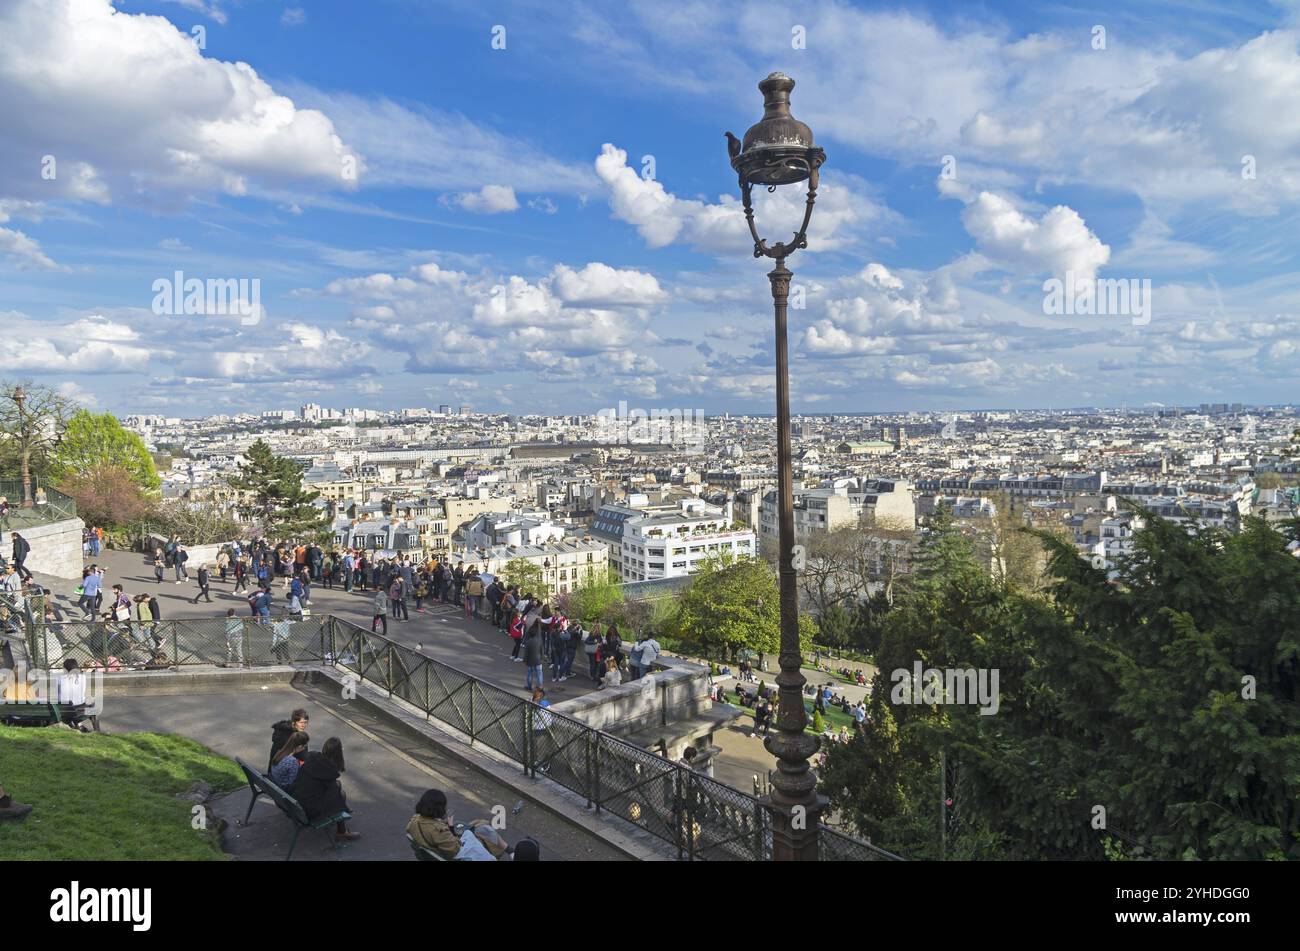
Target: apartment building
[(564, 565), (842, 505), (670, 545)]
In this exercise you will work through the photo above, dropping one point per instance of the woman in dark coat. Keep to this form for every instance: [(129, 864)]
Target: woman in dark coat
[(318, 789)]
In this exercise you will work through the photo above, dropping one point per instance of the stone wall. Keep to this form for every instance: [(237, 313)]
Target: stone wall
[(199, 554), (56, 547), (677, 690)]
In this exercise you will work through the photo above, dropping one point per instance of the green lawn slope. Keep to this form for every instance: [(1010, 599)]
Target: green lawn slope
[(102, 797)]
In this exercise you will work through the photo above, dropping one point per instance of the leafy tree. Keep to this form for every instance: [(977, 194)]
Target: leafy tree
[(734, 604), (598, 599), (284, 508), (107, 496), (527, 575), (93, 441), (30, 429)]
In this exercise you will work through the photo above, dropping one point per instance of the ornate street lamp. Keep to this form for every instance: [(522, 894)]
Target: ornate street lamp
[(779, 150), (24, 442)]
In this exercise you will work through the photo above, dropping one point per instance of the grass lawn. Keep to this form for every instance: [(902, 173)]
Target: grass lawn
[(835, 718), (100, 796)]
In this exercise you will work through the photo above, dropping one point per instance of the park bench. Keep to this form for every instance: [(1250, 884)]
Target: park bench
[(261, 785), (41, 714), (423, 853)]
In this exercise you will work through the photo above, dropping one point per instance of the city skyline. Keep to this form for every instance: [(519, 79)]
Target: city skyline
[(531, 211)]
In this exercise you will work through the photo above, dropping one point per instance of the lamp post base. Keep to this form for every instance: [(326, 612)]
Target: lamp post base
[(794, 828)]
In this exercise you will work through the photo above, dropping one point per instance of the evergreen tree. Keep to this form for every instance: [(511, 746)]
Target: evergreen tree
[(1166, 698), (284, 508)]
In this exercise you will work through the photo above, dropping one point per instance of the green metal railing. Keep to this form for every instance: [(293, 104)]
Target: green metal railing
[(702, 818), (49, 505)]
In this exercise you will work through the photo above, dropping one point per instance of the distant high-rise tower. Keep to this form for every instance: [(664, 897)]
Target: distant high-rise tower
[(900, 438)]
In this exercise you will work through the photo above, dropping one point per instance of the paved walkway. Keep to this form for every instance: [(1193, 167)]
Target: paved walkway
[(387, 771), (442, 631)]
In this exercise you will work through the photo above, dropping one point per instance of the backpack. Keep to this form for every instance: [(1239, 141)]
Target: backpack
[(517, 628)]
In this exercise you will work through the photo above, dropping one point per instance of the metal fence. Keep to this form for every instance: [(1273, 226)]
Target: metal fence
[(49, 505), (702, 818)]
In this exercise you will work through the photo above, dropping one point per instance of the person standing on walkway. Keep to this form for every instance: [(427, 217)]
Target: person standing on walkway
[(591, 646), (381, 612), (90, 584), (509, 604), (158, 565), (241, 574), (21, 550), (517, 635), (234, 640), (397, 598), (571, 648), (181, 556), (533, 658), (204, 580), (297, 594)]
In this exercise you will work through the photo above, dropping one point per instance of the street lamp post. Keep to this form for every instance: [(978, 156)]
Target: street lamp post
[(779, 150), (24, 447)]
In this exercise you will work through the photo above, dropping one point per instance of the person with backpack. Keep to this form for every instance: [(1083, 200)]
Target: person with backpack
[(509, 601), (397, 598), (517, 635), (473, 593)]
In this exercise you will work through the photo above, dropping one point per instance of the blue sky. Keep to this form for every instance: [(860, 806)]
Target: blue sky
[(552, 226)]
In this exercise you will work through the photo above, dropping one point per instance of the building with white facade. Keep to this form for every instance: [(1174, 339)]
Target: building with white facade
[(565, 565), (844, 504), (666, 544)]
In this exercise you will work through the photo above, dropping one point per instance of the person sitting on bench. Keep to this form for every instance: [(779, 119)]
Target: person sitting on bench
[(286, 763), (72, 693), (281, 730), (430, 827), (318, 789)]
